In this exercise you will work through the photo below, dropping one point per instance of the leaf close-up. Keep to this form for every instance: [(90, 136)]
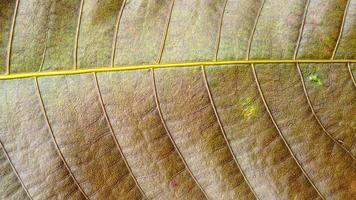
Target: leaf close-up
[(178, 99)]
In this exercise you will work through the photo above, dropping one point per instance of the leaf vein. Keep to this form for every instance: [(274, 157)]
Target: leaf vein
[(301, 29), (55, 141), (280, 132), (351, 75), (220, 31), (170, 135), (305, 91), (254, 30), (12, 31), (165, 33), (341, 30), (15, 171), (316, 116), (224, 134), (267, 106), (113, 135), (77, 35), (118, 20)]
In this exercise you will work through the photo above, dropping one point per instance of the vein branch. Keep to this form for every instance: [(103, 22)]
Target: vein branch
[(165, 33), (315, 115), (341, 29), (170, 135), (15, 171), (12, 32), (77, 35), (254, 30), (118, 20), (351, 74), (43, 57), (280, 132), (220, 31), (301, 29), (114, 137), (267, 106), (55, 141), (305, 91), (224, 133)]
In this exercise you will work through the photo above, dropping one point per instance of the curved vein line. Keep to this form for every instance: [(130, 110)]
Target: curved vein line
[(268, 109), (351, 75), (15, 171), (158, 61), (114, 137), (11, 38), (339, 39), (280, 132), (315, 115), (220, 31), (165, 33), (305, 91), (118, 20), (170, 135), (301, 29), (224, 133), (341, 30), (77, 35), (254, 30), (43, 57), (53, 137), (46, 39)]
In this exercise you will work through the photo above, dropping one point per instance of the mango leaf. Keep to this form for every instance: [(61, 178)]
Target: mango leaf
[(177, 99)]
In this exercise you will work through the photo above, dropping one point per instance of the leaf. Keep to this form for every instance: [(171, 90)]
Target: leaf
[(177, 99)]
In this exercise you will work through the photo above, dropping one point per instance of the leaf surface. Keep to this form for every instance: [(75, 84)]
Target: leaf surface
[(183, 124)]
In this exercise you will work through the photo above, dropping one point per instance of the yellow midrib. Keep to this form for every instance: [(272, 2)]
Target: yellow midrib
[(157, 66)]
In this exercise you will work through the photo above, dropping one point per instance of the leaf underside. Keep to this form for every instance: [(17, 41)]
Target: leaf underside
[(238, 131)]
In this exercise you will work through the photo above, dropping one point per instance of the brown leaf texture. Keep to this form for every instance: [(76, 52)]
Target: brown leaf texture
[(232, 131)]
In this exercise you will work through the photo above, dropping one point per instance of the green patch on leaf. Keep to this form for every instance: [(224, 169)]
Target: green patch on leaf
[(250, 110), (315, 80)]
